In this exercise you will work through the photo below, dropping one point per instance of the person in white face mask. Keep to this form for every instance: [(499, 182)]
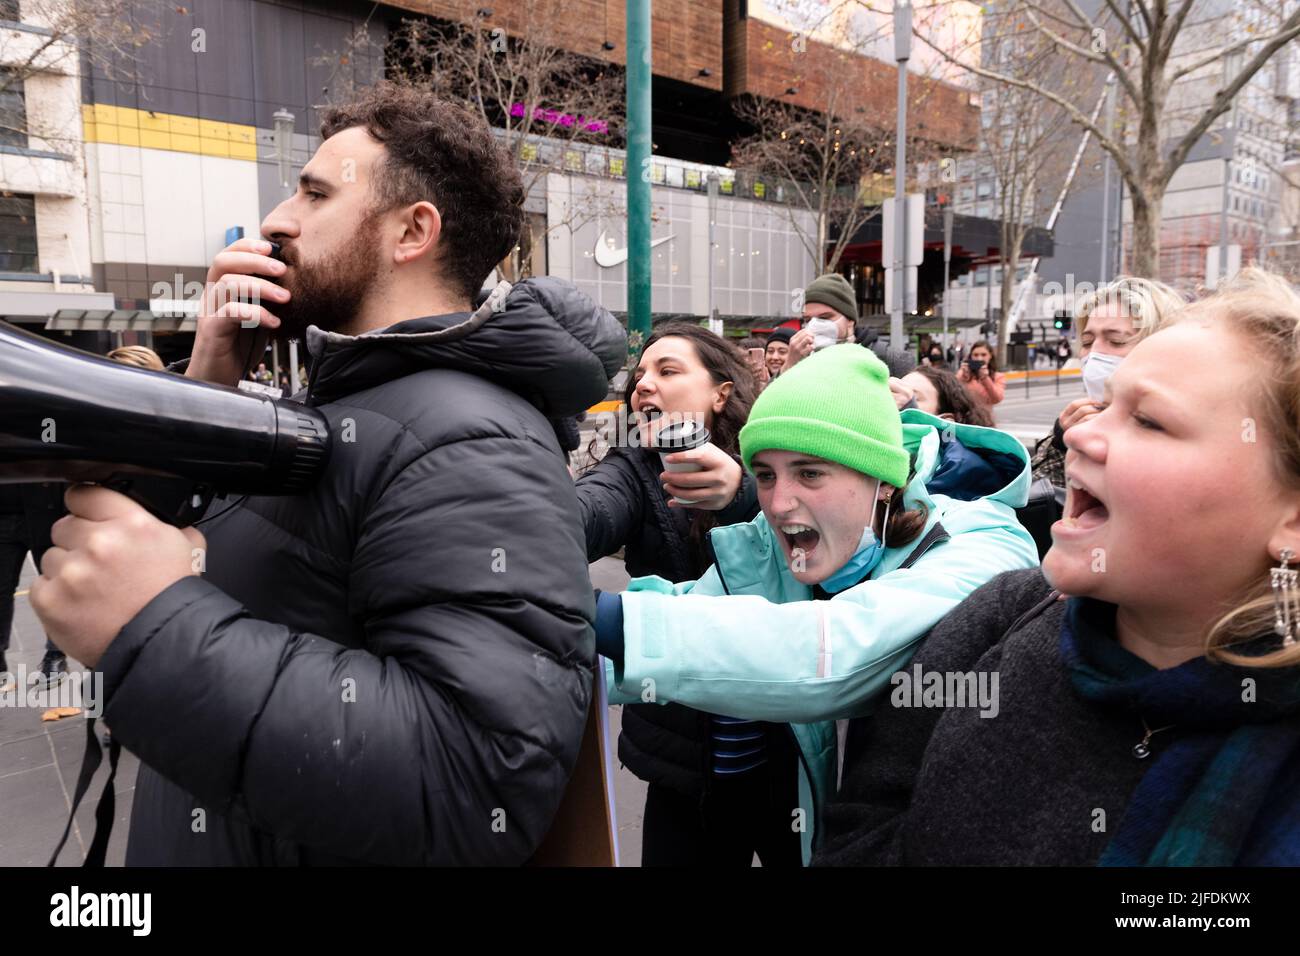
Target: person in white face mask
[(830, 312), (1110, 321)]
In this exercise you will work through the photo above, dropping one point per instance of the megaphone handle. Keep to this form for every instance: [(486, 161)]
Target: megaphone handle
[(177, 501)]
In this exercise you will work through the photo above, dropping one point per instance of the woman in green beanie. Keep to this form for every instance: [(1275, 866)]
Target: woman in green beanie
[(874, 525)]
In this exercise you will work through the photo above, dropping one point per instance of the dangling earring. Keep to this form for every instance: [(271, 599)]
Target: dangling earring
[(1283, 580)]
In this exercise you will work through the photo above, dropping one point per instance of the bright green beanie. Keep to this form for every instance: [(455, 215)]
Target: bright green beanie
[(835, 404)]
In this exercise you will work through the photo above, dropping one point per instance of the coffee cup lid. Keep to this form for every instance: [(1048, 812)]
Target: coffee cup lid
[(681, 435)]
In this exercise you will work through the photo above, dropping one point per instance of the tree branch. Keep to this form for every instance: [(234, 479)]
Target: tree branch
[(1079, 118), (1223, 99), (1104, 57)]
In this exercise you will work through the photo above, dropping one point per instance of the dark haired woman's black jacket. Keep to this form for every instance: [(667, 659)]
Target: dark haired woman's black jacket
[(395, 667), (624, 505)]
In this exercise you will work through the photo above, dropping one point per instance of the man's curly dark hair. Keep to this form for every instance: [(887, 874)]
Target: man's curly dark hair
[(441, 153)]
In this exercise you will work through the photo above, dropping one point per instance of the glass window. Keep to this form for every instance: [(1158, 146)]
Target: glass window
[(17, 233), (13, 111)]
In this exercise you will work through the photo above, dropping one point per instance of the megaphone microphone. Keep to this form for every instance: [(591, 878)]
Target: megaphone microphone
[(168, 442)]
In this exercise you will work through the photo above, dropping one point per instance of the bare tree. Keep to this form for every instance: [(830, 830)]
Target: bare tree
[(68, 36), (833, 159), (1149, 46), (555, 111), (1026, 142)]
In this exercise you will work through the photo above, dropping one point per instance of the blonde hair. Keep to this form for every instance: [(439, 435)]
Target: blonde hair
[(1151, 304), (1263, 309), (138, 356)]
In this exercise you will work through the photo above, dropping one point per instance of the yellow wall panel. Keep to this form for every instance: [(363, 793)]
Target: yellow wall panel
[(152, 139), (211, 147), (212, 130), (104, 123)]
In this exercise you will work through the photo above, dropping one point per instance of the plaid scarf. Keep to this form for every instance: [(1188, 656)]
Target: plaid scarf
[(1226, 790)]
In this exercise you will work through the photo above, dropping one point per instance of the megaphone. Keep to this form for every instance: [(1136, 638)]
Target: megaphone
[(168, 442)]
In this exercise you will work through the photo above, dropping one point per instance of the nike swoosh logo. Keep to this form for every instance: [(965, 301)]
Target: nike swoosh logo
[(607, 256)]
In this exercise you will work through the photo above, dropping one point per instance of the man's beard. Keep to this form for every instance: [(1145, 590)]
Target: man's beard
[(328, 293)]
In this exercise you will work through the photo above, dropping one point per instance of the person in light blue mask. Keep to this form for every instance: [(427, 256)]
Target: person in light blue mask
[(874, 525), (1110, 321)]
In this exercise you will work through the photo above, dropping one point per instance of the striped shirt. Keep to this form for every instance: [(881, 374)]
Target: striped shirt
[(738, 745)]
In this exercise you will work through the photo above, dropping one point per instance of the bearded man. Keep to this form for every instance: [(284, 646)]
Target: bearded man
[(394, 667)]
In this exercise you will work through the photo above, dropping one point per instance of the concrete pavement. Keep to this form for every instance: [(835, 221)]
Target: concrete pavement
[(39, 763)]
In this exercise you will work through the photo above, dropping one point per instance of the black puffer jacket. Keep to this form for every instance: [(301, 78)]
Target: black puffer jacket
[(394, 667), (624, 505)]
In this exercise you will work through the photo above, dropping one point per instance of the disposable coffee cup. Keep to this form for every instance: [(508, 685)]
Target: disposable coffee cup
[(680, 436)]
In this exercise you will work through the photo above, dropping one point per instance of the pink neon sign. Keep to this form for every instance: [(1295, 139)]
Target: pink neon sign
[(562, 119)]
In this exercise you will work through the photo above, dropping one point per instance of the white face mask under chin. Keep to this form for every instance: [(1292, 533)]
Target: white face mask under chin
[(1098, 367)]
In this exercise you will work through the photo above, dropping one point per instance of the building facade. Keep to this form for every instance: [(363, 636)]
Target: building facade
[(166, 156)]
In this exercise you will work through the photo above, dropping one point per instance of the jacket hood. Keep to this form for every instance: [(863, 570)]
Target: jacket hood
[(540, 337), (1005, 480)]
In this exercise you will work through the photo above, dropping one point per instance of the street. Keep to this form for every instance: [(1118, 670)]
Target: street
[(1030, 418)]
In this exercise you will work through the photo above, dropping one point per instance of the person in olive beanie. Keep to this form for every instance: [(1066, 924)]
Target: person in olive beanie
[(830, 298), (832, 290)]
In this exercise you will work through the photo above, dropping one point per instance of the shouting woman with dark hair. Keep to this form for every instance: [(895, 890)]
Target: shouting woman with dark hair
[(684, 371)]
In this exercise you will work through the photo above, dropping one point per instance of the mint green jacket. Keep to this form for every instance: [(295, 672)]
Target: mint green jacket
[(747, 639)]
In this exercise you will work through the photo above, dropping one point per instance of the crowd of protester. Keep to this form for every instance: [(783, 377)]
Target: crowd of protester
[(840, 645), (872, 538)]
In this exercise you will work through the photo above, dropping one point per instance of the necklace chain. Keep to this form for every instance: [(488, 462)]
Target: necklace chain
[(1142, 749)]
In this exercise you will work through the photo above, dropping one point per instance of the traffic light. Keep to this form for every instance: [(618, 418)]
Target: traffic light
[(1064, 322)]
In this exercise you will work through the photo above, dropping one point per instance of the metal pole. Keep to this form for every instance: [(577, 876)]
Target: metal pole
[(1230, 145), (947, 258), (712, 186), (1105, 189), (902, 52), (284, 127), (638, 167)]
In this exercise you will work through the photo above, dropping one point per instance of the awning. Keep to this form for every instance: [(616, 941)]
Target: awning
[(38, 306), (973, 238), (163, 315)]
